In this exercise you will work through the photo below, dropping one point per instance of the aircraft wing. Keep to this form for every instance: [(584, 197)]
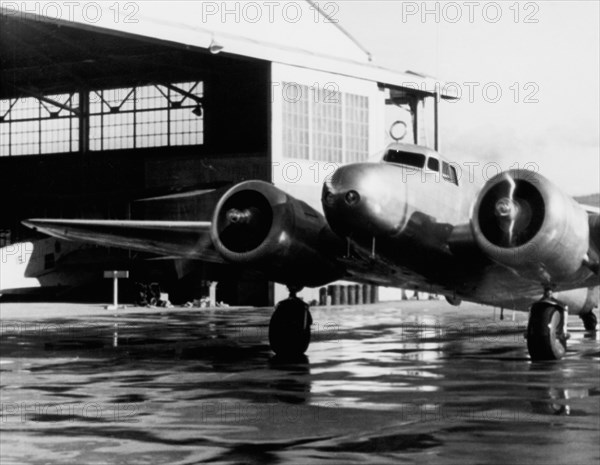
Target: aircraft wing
[(182, 239)]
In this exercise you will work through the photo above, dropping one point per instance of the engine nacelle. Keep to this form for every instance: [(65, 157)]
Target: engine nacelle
[(579, 301), (258, 225), (523, 221)]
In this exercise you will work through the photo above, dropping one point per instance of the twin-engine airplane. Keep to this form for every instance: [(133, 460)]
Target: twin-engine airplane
[(406, 221)]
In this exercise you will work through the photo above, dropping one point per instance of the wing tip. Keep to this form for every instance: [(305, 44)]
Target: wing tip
[(36, 223), (30, 223)]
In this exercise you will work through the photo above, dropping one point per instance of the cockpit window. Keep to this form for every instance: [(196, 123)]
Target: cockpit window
[(433, 164), (405, 158), (449, 173)]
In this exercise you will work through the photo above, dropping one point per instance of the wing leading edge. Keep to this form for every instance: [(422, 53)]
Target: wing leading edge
[(182, 239)]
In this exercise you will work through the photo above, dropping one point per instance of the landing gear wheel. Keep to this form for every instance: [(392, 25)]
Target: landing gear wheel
[(590, 321), (289, 329), (546, 338)]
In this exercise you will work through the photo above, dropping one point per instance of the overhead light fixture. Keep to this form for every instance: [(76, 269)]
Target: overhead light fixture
[(214, 47), (197, 110)]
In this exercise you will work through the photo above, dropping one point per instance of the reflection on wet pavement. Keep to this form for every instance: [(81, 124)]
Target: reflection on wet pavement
[(414, 382)]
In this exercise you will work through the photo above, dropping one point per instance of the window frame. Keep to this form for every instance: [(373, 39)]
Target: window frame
[(449, 173), (387, 158), (437, 162)]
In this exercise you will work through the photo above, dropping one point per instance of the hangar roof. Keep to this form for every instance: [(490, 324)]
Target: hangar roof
[(49, 49)]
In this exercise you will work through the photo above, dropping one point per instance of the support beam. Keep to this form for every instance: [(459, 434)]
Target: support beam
[(182, 92), (436, 121), (43, 98), (416, 113), (84, 121)]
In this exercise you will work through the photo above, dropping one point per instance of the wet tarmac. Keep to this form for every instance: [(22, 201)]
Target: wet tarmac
[(412, 382)]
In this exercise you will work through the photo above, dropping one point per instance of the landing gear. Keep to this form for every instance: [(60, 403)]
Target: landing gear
[(590, 322), (289, 329), (546, 331)]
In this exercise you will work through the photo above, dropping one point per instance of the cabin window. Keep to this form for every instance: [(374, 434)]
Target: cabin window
[(433, 164), (405, 158), (449, 173)]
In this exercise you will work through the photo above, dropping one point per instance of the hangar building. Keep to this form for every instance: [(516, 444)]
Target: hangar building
[(151, 110)]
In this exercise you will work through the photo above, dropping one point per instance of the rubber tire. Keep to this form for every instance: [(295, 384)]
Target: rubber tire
[(289, 328), (590, 321), (545, 340)]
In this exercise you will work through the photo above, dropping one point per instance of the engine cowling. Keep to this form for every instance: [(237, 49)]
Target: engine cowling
[(579, 301), (258, 225), (523, 221)]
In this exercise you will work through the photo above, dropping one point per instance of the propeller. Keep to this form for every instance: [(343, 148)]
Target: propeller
[(511, 212), (246, 216), (245, 221)]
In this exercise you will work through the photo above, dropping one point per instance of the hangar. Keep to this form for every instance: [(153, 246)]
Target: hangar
[(152, 113)]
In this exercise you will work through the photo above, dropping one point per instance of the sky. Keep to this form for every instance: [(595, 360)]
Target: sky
[(542, 56)]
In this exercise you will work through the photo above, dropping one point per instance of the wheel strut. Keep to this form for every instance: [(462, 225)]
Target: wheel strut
[(590, 321)]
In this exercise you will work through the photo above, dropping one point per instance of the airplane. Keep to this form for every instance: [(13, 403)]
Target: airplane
[(406, 221)]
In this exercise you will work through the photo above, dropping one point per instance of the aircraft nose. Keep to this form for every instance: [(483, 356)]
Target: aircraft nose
[(363, 198)]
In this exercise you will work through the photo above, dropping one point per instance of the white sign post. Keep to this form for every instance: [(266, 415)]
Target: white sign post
[(115, 275)]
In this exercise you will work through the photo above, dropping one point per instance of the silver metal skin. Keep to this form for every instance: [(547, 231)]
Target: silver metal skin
[(557, 247), (418, 224), (260, 226), (366, 197)]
